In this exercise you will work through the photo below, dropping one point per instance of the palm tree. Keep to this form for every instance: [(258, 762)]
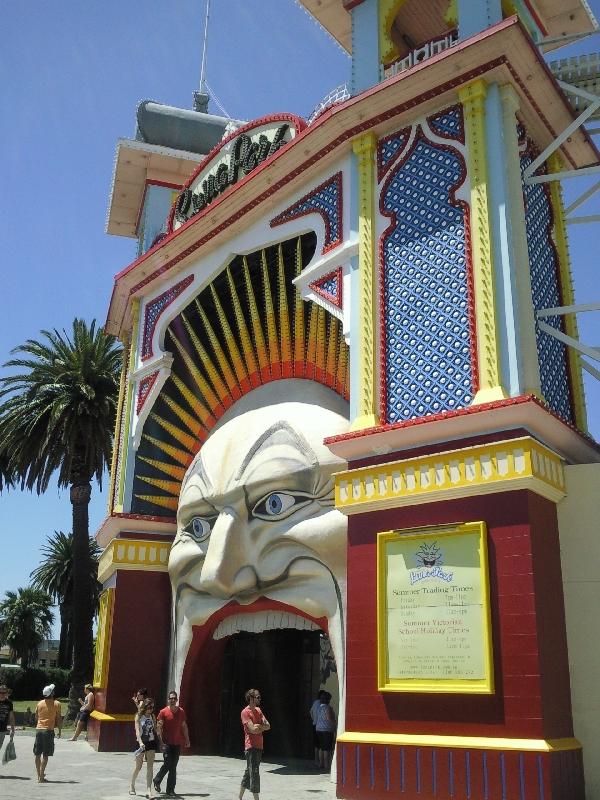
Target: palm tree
[(55, 576), (25, 621), (57, 416)]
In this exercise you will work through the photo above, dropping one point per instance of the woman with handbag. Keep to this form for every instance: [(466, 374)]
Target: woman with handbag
[(147, 738)]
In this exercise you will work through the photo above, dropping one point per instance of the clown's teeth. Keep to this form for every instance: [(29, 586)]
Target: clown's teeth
[(262, 621)]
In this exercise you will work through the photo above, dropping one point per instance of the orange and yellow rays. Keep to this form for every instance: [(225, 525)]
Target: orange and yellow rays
[(284, 318), (332, 345), (227, 372), (199, 379), (243, 332), (299, 343), (168, 469), (189, 442), (341, 376), (157, 500), (274, 357), (199, 409), (181, 456), (209, 367), (234, 353), (257, 331), (172, 487), (191, 423), (311, 345), (321, 345)]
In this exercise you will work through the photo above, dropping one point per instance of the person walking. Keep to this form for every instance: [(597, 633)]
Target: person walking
[(313, 718), (147, 738), (173, 732), (87, 706), (7, 715), (49, 717), (326, 725), (254, 724)]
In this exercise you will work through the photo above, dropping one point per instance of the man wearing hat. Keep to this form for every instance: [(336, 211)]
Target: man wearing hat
[(48, 718)]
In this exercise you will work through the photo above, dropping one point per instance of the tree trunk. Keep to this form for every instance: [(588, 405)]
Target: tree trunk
[(83, 653), (63, 642)]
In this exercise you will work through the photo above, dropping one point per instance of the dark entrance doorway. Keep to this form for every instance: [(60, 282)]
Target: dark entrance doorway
[(284, 665)]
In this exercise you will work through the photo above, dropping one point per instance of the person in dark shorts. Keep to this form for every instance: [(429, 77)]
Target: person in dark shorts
[(147, 738), (7, 715), (326, 725), (254, 724), (87, 706), (313, 718), (49, 717)]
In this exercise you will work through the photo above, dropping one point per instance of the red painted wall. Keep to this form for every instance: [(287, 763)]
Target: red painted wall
[(532, 697), (139, 647)]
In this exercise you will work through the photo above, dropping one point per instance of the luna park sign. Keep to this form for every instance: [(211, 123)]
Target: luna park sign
[(233, 159)]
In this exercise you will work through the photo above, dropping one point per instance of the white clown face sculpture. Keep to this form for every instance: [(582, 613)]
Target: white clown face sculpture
[(256, 518)]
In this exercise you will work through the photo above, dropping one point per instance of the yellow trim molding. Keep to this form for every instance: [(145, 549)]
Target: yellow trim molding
[(461, 742), (472, 96), (568, 297), (135, 315), (103, 717), (139, 554), (364, 148), (105, 618), (485, 469), (116, 455)]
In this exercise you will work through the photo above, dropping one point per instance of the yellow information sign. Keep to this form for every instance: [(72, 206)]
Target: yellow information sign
[(433, 621)]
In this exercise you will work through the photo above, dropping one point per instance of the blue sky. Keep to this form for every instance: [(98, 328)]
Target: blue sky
[(73, 75)]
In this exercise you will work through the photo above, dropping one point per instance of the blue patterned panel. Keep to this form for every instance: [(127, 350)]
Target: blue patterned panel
[(545, 289), (330, 285), (387, 148), (426, 316), (325, 199), (448, 123)]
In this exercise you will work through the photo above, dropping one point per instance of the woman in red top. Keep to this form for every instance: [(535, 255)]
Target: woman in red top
[(254, 723)]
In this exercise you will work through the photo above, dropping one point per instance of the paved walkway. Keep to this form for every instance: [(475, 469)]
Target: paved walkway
[(77, 772)]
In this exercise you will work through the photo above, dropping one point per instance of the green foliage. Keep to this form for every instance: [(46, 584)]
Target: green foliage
[(28, 683), (55, 573), (25, 621), (58, 411)]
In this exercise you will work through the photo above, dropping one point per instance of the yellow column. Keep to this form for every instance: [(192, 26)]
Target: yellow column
[(472, 97), (135, 318), (566, 283), (118, 425), (364, 148)]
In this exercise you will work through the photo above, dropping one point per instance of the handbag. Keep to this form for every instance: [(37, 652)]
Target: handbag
[(9, 752)]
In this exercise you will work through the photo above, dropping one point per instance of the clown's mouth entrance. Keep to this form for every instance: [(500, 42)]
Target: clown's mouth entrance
[(288, 667)]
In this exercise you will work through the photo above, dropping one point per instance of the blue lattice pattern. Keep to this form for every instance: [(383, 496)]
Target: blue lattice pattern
[(155, 308), (426, 314), (326, 200), (545, 289), (388, 148), (449, 123)]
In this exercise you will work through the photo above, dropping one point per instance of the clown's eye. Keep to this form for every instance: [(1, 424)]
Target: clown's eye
[(199, 528), (279, 505)]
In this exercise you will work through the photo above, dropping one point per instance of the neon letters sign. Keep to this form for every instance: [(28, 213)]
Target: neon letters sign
[(232, 160)]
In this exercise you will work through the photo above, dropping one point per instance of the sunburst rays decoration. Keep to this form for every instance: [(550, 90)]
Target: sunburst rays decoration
[(247, 328)]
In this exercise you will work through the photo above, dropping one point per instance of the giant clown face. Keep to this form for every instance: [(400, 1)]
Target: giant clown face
[(256, 520)]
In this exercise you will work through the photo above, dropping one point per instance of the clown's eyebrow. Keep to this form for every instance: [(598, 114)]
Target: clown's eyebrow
[(298, 440), (200, 471)]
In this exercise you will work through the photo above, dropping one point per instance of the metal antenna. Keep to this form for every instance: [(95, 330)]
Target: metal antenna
[(201, 96), (203, 67)]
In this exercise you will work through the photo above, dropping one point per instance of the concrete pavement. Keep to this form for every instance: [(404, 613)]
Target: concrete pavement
[(77, 772)]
